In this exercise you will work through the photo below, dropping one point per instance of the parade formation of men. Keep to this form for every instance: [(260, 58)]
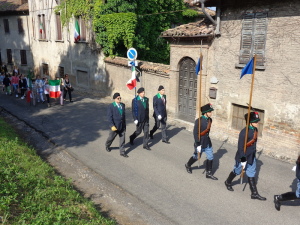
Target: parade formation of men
[(245, 158)]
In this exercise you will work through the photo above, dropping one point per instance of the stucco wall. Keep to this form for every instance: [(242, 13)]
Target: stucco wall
[(16, 42), (83, 56)]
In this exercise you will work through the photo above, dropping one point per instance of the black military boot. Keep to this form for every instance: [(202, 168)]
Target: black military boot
[(284, 197), (254, 193), (189, 164), (230, 178), (209, 164)]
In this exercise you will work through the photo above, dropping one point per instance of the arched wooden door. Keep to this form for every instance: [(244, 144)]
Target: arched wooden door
[(187, 90)]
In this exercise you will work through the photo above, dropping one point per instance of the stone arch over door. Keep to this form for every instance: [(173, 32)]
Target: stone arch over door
[(187, 91)]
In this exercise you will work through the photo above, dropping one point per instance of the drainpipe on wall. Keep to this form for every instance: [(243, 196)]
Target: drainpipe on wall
[(216, 23), (218, 19), (207, 14)]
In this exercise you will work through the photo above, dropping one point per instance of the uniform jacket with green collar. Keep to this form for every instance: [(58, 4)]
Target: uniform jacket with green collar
[(140, 109), (159, 106), (116, 116)]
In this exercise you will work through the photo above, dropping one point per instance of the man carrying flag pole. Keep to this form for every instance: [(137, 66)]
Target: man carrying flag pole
[(245, 158), (201, 132)]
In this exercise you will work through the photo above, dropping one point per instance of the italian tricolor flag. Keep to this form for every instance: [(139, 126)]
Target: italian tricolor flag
[(77, 31), (41, 28), (132, 82), (54, 88)]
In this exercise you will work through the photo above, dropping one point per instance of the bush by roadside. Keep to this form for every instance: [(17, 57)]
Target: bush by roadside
[(31, 192)]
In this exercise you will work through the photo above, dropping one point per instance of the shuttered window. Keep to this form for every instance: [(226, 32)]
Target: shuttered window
[(6, 26), (82, 29), (45, 69), (9, 56), (61, 71), (20, 26), (23, 57), (253, 41), (58, 28), (238, 120), (42, 27)]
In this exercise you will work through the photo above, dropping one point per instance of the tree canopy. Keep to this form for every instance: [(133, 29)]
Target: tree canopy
[(121, 24)]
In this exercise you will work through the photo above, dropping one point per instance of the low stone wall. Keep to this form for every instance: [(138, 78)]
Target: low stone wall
[(153, 74)]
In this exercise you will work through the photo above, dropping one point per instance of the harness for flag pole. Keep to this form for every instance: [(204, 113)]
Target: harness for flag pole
[(199, 68), (250, 66)]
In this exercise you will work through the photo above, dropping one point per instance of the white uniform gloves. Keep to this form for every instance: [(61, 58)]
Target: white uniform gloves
[(199, 148), (159, 117), (243, 164), (136, 122)]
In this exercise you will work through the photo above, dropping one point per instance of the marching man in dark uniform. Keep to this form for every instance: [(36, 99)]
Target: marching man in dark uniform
[(117, 124), (204, 143), (160, 114), (140, 113), (288, 196), (247, 161)]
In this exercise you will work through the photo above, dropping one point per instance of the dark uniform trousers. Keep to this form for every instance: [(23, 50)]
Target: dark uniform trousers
[(139, 127), (111, 137), (160, 123), (116, 117)]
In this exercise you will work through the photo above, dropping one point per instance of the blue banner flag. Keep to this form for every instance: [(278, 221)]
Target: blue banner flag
[(198, 67), (248, 69)]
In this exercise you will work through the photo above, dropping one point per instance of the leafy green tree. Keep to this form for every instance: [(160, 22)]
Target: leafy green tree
[(121, 24)]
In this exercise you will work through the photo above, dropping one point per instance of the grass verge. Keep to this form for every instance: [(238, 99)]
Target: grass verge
[(31, 192)]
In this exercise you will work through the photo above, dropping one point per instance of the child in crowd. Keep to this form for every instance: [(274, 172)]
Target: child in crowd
[(7, 83), (47, 91), (23, 85), (39, 89), (15, 83)]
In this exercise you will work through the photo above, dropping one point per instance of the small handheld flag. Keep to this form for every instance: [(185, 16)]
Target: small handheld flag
[(248, 69), (54, 88)]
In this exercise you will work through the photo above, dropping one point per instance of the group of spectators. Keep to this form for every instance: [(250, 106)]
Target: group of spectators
[(24, 86)]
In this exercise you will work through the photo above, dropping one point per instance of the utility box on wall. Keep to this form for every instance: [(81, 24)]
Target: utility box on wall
[(213, 92)]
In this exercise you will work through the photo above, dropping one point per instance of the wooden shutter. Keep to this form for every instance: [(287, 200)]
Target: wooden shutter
[(39, 26), (6, 25), (246, 41), (61, 71), (23, 57), (44, 27), (58, 27), (260, 34), (20, 26), (9, 56), (82, 30)]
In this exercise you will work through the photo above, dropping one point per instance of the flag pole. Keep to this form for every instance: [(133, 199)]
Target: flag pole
[(199, 97), (248, 115)]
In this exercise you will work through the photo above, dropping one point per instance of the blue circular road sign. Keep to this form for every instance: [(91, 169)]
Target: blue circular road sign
[(132, 54)]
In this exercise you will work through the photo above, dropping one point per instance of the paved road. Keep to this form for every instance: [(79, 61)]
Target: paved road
[(158, 178)]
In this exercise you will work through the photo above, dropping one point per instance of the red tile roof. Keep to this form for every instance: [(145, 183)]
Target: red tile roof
[(13, 6), (199, 28)]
